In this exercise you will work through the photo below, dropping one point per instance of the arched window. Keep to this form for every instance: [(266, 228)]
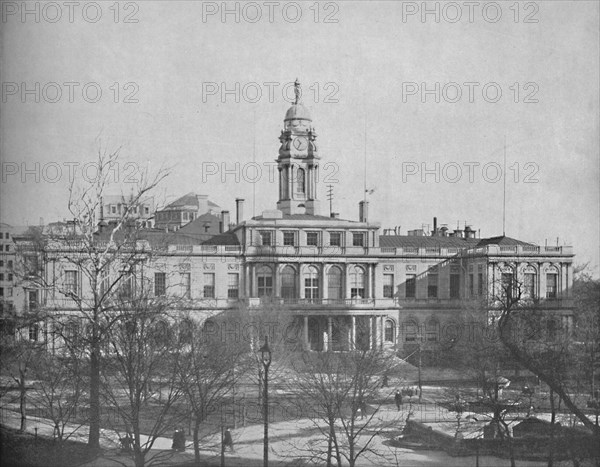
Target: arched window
[(357, 282), (264, 280), (390, 331), (334, 283), (311, 283), (432, 330), (288, 282), (300, 182)]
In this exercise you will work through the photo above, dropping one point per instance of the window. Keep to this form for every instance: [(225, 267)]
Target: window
[(10, 276), (301, 182), (529, 280), (266, 238), (411, 286), (389, 331), (411, 331), (480, 284), (358, 239), (160, 284), (233, 285), (1, 277), (454, 286), (507, 284), (311, 283), (265, 281), (312, 238), (357, 282), (335, 239), (388, 286), (113, 209), (432, 329), (551, 285), (10, 264), (334, 283), (471, 285), (7, 248), (34, 331), (432, 285), (147, 210), (126, 287), (1, 291), (71, 282), (9, 291), (32, 300), (288, 282), (289, 238), (1, 264), (186, 285), (186, 216), (209, 285)]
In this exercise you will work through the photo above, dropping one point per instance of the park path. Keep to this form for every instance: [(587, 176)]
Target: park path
[(290, 440)]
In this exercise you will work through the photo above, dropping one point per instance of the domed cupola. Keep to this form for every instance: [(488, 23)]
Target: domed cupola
[(298, 160)]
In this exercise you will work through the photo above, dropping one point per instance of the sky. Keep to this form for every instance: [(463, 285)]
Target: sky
[(430, 97)]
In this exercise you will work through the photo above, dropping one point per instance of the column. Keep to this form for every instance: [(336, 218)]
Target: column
[(370, 281), (253, 288), (277, 282), (329, 333), (300, 291), (323, 284), (381, 331), (306, 342), (347, 281), (247, 280), (353, 334), (370, 318)]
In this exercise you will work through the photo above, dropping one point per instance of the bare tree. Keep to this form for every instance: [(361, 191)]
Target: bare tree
[(339, 386), (61, 388), (20, 346), (549, 355), (211, 363), (101, 253), (139, 373)]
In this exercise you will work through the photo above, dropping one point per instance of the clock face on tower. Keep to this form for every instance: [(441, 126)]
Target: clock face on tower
[(300, 143)]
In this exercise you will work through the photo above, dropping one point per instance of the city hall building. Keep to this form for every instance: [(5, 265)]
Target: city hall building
[(347, 284)]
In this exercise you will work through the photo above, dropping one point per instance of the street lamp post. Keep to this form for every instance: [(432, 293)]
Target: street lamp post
[(265, 355)]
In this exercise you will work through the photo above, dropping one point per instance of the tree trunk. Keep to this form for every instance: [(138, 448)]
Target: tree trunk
[(552, 421), (94, 434), (196, 440), (139, 457), (22, 399), (330, 443)]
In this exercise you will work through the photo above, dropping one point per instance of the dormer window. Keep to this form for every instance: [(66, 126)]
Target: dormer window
[(266, 238), (312, 238), (358, 239)]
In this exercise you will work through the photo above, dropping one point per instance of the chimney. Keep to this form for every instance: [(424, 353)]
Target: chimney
[(363, 211), (334, 215), (434, 233), (239, 210), (224, 221)]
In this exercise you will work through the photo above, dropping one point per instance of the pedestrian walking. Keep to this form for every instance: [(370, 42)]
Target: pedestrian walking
[(398, 399), (227, 440), (362, 405)]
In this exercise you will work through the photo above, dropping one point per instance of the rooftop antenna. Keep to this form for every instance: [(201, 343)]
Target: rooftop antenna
[(254, 161), (504, 193), (330, 198), (365, 159)]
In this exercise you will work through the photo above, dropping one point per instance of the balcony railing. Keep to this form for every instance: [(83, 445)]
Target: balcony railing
[(323, 302)]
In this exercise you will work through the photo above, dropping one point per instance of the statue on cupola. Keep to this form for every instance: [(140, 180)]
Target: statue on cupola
[(298, 161)]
